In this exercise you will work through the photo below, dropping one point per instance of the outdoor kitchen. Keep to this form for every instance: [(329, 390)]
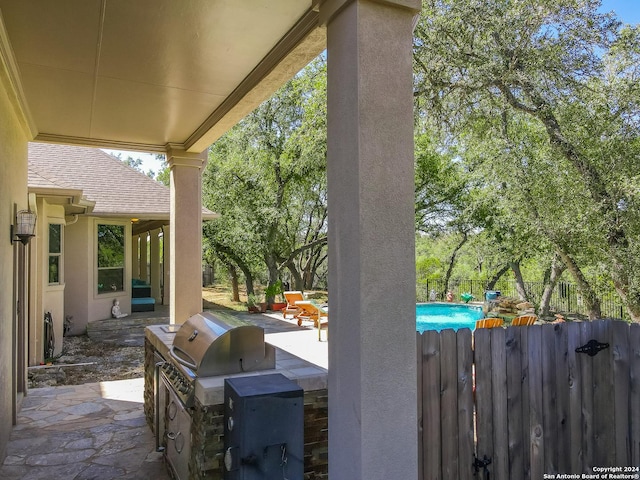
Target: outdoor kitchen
[(225, 404)]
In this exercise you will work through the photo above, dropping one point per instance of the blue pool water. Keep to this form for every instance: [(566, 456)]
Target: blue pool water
[(439, 316)]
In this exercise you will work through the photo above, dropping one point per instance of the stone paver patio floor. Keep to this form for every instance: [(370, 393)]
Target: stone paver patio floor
[(95, 431)]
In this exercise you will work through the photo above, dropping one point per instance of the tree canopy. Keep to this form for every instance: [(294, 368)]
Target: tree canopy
[(267, 178), (541, 100)]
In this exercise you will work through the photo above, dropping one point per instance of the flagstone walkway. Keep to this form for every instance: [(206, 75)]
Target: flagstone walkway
[(95, 431)]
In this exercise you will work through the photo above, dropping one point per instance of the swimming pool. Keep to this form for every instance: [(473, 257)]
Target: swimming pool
[(439, 316)]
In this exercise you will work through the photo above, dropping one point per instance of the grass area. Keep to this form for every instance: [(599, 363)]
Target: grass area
[(220, 296)]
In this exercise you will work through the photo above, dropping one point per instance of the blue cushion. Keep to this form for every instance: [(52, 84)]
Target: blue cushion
[(143, 301)]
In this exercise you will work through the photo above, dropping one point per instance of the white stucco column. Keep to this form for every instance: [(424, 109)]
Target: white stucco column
[(142, 262), (135, 261), (166, 269), (186, 233), (154, 259), (372, 293)]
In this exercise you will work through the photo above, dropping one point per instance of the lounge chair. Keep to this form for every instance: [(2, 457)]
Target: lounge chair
[(524, 320), (311, 312), (489, 323), (291, 309)]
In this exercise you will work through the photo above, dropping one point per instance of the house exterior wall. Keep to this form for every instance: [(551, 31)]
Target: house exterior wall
[(100, 304), (13, 195), (81, 299), (45, 297), (77, 274)]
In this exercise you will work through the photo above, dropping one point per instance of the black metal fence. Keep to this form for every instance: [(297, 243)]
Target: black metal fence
[(564, 299)]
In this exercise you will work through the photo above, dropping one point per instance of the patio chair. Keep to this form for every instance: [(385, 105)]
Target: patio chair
[(291, 309), (524, 320), (489, 323), (311, 312)]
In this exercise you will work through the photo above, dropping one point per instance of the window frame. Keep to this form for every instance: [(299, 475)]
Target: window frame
[(98, 292), (59, 255)]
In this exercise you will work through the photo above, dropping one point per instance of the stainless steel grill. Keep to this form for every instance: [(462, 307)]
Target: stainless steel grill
[(209, 346), (204, 346)]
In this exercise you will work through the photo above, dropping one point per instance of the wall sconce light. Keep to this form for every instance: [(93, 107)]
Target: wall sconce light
[(25, 227)]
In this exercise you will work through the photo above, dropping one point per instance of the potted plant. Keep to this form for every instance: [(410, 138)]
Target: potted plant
[(271, 293), (252, 303)]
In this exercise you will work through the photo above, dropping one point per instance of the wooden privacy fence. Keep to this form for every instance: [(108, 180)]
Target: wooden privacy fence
[(545, 399)]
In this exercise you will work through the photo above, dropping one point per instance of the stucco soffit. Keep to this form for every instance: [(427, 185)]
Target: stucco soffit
[(10, 79), (305, 41)]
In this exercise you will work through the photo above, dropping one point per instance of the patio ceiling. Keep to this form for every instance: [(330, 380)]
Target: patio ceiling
[(144, 74)]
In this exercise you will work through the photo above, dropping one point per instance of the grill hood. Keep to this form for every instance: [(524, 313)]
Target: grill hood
[(209, 346)]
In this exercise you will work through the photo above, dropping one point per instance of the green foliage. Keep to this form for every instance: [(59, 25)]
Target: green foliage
[(110, 246), (267, 177), (539, 101), (163, 176), (273, 290), (441, 186)]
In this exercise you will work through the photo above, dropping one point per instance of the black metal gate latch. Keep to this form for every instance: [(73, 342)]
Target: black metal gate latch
[(592, 347), (484, 464)]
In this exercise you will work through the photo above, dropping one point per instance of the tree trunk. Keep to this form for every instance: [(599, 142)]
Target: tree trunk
[(615, 233), (588, 295), (304, 279), (319, 259), (621, 284), (452, 262), (233, 273), (520, 288), (551, 280), (274, 274), (492, 283), (248, 281), (298, 283), (227, 255)]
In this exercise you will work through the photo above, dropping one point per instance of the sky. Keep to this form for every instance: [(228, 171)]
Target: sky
[(149, 161), (627, 10)]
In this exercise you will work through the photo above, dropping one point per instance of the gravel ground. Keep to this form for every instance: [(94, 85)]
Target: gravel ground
[(106, 362)]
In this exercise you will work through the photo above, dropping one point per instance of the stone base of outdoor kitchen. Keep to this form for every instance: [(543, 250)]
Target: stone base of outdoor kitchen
[(207, 415)]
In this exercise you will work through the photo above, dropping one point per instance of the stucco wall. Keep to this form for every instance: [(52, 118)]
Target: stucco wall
[(13, 192), (81, 299), (100, 304), (52, 295), (42, 296), (77, 274)]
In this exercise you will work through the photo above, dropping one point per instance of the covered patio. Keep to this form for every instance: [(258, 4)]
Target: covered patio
[(172, 77)]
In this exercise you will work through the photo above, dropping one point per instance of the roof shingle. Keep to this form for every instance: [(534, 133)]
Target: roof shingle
[(116, 188)]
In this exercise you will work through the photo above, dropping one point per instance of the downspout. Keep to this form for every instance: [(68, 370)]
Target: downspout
[(71, 222)]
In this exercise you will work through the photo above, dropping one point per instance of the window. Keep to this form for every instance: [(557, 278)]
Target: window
[(110, 258), (55, 253)]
